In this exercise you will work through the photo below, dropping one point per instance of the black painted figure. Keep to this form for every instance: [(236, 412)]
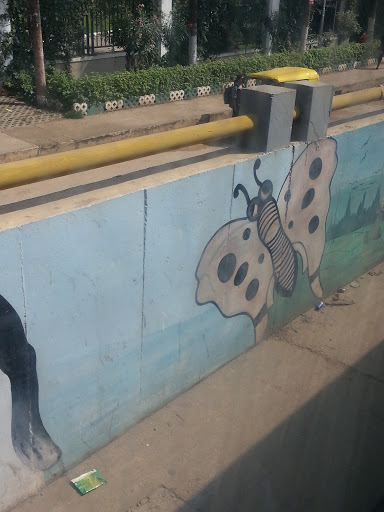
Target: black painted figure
[(32, 443)]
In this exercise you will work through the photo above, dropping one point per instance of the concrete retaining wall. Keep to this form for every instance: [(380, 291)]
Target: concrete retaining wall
[(108, 62), (130, 301)]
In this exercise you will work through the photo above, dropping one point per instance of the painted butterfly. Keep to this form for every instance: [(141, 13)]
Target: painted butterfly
[(248, 258)]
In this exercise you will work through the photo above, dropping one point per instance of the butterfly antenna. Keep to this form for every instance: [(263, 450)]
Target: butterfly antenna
[(255, 167), (243, 190)]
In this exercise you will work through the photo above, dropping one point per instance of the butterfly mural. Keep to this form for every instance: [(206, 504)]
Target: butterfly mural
[(249, 259)]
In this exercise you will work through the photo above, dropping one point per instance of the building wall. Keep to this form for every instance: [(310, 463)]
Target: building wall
[(111, 310)]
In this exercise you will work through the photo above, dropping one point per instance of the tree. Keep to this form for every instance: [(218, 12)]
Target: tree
[(305, 26), (285, 26), (38, 52), (347, 25), (192, 49), (371, 20), (138, 32)]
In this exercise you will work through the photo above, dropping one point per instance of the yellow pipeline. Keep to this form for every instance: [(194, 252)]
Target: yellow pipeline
[(40, 168), (351, 98), (357, 98)]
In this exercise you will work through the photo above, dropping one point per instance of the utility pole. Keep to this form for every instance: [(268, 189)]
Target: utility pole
[(322, 24), (38, 52), (192, 53), (273, 7)]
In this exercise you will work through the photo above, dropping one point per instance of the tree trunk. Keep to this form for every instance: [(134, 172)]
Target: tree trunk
[(342, 5), (193, 5), (305, 27), (38, 52), (5, 28), (322, 23), (371, 20), (340, 10)]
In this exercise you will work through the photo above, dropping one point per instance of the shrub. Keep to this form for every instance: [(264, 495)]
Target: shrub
[(347, 24), (138, 33), (97, 88), (73, 114)]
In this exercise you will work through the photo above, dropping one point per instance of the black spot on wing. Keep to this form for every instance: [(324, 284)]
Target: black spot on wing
[(246, 234), (241, 274), (313, 224), (252, 289), (226, 267), (315, 168), (308, 198)]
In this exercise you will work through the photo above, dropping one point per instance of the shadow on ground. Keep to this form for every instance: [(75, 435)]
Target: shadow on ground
[(327, 457)]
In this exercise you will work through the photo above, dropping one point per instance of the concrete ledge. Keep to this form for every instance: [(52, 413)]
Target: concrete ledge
[(16, 149), (357, 86)]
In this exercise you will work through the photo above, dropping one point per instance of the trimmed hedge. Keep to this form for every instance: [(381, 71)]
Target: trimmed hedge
[(98, 88)]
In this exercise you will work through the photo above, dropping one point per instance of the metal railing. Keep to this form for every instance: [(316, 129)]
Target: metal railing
[(98, 32), (98, 25)]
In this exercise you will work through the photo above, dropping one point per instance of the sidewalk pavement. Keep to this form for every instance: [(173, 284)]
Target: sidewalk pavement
[(296, 419), (53, 136)]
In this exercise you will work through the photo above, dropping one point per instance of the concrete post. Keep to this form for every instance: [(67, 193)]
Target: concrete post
[(314, 102), (273, 7), (273, 107), (166, 10), (5, 26)]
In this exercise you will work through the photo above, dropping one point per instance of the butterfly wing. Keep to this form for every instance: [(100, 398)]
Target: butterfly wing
[(235, 273), (304, 203)]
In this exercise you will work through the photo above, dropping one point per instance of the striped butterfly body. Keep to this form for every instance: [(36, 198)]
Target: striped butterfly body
[(284, 258), (264, 211)]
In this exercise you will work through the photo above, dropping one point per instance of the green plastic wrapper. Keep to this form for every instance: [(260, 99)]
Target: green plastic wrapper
[(88, 482)]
